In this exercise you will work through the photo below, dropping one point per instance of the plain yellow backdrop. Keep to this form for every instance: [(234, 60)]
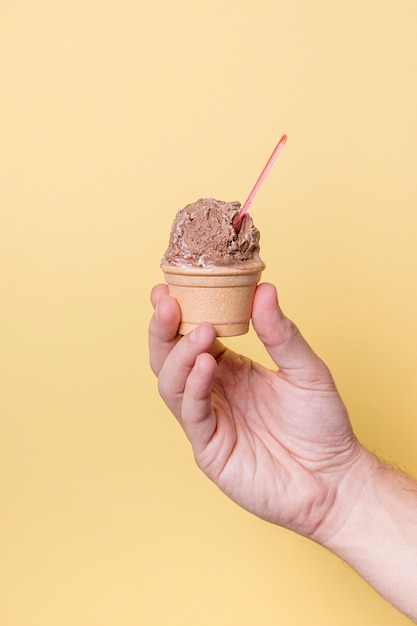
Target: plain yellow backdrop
[(113, 116)]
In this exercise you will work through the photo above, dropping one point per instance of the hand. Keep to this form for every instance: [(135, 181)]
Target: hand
[(279, 443)]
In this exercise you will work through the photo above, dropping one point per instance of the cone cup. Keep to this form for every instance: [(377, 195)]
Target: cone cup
[(222, 296)]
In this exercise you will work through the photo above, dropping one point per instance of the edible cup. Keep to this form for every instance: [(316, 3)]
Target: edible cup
[(222, 296)]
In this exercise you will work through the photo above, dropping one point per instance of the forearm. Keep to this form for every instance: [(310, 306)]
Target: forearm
[(375, 530)]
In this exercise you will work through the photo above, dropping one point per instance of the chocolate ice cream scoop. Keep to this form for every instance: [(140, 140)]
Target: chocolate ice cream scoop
[(202, 235)]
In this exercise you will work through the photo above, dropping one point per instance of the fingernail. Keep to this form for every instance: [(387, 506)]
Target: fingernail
[(156, 313), (194, 334)]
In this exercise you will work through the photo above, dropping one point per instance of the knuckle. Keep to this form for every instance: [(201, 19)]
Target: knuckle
[(291, 329)]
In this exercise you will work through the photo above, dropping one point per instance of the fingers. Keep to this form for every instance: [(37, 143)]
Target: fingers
[(198, 418), (157, 292), (180, 362), (283, 341), (163, 328), (184, 367)]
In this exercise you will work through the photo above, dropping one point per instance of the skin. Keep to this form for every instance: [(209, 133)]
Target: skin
[(280, 444)]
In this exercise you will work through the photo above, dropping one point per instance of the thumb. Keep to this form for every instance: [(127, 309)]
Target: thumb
[(296, 361)]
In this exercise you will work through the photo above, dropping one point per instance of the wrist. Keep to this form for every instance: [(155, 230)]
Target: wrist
[(348, 497)]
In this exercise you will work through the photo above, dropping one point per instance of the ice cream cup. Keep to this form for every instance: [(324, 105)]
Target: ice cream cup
[(222, 296)]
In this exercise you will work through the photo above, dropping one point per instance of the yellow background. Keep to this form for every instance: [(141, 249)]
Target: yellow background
[(113, 116)]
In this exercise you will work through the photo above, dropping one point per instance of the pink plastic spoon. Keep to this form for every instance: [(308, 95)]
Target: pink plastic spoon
[(237, 222)]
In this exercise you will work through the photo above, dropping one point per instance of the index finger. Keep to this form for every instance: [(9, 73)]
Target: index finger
[(163, 327)]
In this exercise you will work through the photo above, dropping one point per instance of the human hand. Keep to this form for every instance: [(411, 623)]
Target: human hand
[(278, 443)]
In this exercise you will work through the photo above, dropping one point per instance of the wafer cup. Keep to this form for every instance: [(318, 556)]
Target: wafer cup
[(222, 296)]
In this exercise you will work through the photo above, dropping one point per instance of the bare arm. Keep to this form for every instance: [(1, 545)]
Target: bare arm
[(373, 527)]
